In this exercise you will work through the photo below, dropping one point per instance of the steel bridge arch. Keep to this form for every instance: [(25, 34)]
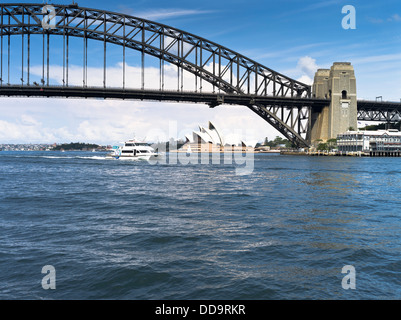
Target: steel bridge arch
[(231, 72)]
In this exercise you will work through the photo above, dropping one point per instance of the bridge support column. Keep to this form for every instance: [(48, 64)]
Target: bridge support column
[(338, 85)]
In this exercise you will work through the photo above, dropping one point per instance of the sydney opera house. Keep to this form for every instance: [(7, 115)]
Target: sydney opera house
[(211, 140)]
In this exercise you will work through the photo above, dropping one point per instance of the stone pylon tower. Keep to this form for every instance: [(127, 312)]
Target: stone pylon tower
[(337, 84)]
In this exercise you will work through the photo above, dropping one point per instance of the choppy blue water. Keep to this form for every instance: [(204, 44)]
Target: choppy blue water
[(132, 230)]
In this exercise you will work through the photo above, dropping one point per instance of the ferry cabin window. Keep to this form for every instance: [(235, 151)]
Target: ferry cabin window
[(127, 151), (129, 145)]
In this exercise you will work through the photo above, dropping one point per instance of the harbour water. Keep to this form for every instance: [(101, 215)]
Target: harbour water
[(134, 230)]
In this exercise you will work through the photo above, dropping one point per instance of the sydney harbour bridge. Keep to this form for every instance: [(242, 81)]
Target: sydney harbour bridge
[(42, 47)]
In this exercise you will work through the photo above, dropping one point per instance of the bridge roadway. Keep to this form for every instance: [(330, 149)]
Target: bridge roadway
[(378, 105), (211, 99)]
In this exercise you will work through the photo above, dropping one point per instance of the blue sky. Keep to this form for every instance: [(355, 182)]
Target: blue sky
[(292, 37)]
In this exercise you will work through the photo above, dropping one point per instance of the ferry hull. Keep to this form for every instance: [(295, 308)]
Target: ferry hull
[(132, 157), (133, 150)]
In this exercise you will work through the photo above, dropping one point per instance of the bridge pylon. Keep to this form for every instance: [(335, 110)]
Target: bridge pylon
[(338, 85)]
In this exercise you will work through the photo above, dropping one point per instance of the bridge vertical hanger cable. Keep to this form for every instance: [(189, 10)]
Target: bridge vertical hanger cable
[(266, 86), (104, 51), (67, 52), (214, 69), (48, 57), (196, 63), (238, 76), (256, 80), (22, 49), (200, 65), (178, 65), (231, 72), (83, 60), (274, 84), (299, 119), (86, 61), (85, 80), (1, 76), (248, 81), (124, 55), (64, 51), (219, 66), (182, 57), (143, 57), (9, 51), (292, 117), (161, 61), (29, 51), (309, 124), (43, 58)]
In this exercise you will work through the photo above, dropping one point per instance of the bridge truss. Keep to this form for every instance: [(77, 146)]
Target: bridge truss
[(214, 68), (379, 111)]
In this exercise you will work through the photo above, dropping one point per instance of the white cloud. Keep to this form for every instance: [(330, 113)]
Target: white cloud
[(111, 122), (161, 14), (308, 66), (305, 79), (29, 121), (304, 71), (393, 57), (375, 20), (31, 132), (395, 17)]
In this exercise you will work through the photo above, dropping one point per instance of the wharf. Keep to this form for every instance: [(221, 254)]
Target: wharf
[(343, 154)]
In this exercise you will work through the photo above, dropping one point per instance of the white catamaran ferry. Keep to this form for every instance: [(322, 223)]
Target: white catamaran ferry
[(133, 150)]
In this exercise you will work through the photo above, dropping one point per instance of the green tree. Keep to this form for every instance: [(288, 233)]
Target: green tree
[(332, 143), (323, 147), (318, 141), (382, 126), (278, 141)]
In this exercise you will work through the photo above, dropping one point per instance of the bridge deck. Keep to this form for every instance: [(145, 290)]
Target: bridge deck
[(212, 99), (378, 105)]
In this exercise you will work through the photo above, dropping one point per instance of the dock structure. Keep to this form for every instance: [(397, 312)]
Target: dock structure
[(343, 154), (385, 153)]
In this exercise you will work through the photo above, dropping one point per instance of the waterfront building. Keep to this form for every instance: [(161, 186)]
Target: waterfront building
[(209, 139), (367, 141)]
